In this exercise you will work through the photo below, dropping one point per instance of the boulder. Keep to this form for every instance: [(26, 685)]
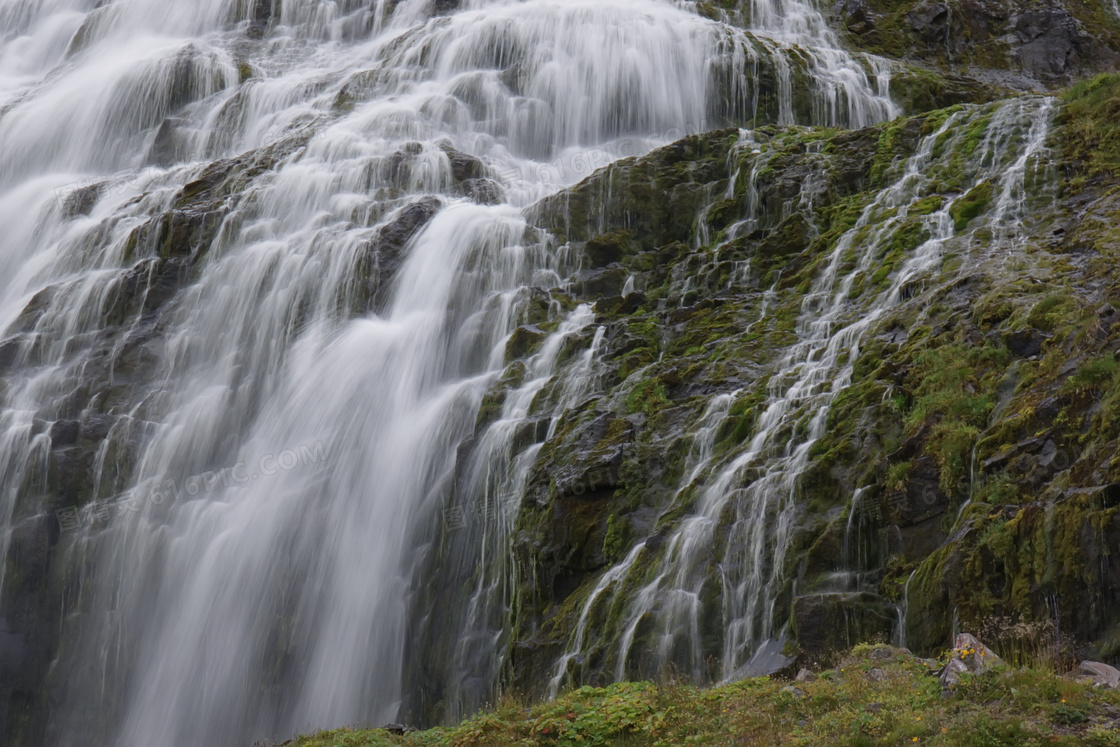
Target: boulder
[(1099, 674), (969, 655), (951, 673)]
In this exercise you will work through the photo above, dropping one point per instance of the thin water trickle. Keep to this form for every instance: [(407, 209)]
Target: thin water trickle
[(759, 486), (226, 599), (217, 610)]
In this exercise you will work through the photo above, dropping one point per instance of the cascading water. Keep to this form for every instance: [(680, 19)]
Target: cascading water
[(241, 258), (753, 497)]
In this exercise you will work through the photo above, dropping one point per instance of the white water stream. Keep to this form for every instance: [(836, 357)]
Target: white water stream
[(759, 488), (284, 445)]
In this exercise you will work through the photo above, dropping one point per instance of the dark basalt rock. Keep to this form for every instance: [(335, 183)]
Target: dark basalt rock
[(1016, 42), (260, 17), (407, 223), (81, 200), (482, 191), (607, 281), (166, 148), (463, 165), (930, 21), (386, 253), (64, 432)]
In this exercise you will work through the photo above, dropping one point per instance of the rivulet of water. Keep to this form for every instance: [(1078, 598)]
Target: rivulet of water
[(758, 487), (236, 594)]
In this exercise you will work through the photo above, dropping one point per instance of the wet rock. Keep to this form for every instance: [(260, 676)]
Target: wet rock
[(524, 339), (64, 433), (930, 21), (597, 452), (81, 200), (167, 148), (259, 18), (482, 191), (806, 676), (398, 729), (829, 622), (71, 474), (1051, 42), (1025, 343), (1099, 674), (607, 248), (602, 282), (9, 351), (407, 223), (877, 675), (796, 692), (96, 426), (463, 165), (444, 7), (619, 306), (856, 16)]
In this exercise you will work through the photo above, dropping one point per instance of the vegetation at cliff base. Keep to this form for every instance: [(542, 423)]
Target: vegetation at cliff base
[(876, 695), (1091, 119)]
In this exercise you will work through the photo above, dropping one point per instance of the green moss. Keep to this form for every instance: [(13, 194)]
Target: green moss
[(1052, 311), (1094, 374), (1090, 125), (866, 699), (898, 476), (616, 540), (953, 396), (647, 397), (907, 237), (965, 208), (887, 151), (927, 205), (743, 415)]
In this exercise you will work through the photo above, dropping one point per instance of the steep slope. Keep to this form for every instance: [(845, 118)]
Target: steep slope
[(328, 394), (877, 371)]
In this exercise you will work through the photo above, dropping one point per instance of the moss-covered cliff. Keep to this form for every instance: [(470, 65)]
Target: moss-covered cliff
[(966, 472)]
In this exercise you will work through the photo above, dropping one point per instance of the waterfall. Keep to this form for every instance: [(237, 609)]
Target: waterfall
[(758, 487), (260, 264)]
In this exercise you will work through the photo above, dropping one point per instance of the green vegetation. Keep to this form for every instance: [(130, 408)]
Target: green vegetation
[(1091, 124), (647, 397), (874, 696), (615, 542), (954, 385), (970, 205)]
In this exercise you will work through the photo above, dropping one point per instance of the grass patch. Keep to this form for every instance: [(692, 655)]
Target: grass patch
[(863, 701), (954, 396), (1091, 124)]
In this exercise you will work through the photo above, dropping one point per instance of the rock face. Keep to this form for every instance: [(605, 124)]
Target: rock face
[(966, 467), (1045, 45), (973, 432)]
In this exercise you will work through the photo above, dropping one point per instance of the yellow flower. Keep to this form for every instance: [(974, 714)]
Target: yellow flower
[(919, 718), (1063, 700), (915, 739)]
